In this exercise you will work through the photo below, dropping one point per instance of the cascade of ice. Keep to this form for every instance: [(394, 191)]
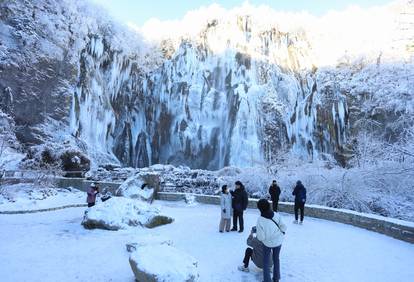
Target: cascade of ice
[(302, 120), (233, 96), (102, 77)]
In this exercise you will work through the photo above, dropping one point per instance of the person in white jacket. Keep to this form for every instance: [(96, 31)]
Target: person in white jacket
[(225, 203), (270, 231)]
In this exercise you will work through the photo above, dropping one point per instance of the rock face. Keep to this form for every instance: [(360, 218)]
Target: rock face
[(162, 263), (238, 93), (245, 105), (120, 213), (42, 64)]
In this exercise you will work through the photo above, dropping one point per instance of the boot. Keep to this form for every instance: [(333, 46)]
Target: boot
[(242, 268)]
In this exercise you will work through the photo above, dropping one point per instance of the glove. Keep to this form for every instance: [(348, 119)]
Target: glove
[(224, 210)]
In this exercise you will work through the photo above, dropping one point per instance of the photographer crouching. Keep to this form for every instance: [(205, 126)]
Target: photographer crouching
[(255, 253)]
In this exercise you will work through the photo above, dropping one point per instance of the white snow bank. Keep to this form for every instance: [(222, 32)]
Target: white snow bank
[(27, 196), (163, 263), (120, 213), (327, 246)]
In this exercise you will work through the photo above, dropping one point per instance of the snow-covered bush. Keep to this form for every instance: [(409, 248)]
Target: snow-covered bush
[(76, 161)]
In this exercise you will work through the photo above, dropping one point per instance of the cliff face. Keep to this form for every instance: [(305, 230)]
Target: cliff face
[(234, 94)]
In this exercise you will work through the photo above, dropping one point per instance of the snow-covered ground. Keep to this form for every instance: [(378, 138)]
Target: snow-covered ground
[(53, 246), (26, 196)]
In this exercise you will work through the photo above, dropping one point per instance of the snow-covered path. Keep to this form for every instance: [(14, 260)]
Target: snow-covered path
[(53, 246)]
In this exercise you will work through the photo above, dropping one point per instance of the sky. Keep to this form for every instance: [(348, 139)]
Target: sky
[(140, 11)]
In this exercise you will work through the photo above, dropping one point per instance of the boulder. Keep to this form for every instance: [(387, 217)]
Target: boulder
[(120, 213), (148, 240), (142, 186), (159, 263)]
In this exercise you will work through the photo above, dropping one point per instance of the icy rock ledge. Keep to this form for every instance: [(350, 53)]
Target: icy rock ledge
[(162, 262), (120, 213), (142, 186)]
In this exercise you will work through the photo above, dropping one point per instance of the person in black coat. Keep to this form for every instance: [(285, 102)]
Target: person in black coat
[(300, 199), (239, 204), (274, 191)]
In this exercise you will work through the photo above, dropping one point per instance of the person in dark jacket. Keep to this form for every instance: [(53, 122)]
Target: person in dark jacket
[(239, 204), (274, 191), (254, 252), (92, 191), (300, 199)]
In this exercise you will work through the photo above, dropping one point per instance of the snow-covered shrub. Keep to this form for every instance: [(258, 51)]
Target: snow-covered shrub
[(74, 161)]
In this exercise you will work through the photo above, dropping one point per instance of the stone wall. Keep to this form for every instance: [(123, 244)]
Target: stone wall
[(398, 229), (83, 184)]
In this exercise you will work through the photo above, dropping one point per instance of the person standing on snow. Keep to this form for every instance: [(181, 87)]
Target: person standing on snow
[(225, 204), (274, 191), (239, 204), (270, 231), (300, 199), (92, 191)]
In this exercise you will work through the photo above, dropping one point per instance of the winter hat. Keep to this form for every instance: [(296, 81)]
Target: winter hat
[(263, 205), (223, 188), (238, 183), (299, 182)]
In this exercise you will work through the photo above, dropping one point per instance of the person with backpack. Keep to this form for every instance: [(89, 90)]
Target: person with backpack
[(240, 200), (270, 231), (225, 204), (300, 199), (274, 191)]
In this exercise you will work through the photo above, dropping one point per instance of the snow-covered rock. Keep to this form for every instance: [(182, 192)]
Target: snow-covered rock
[(142, 186), (120, 213), (148, 240), (163, 263)]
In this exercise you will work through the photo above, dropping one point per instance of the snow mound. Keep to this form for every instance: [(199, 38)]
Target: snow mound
[(29, 196), (148, 240), (163, 263), (121, 213), (141, 186)]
